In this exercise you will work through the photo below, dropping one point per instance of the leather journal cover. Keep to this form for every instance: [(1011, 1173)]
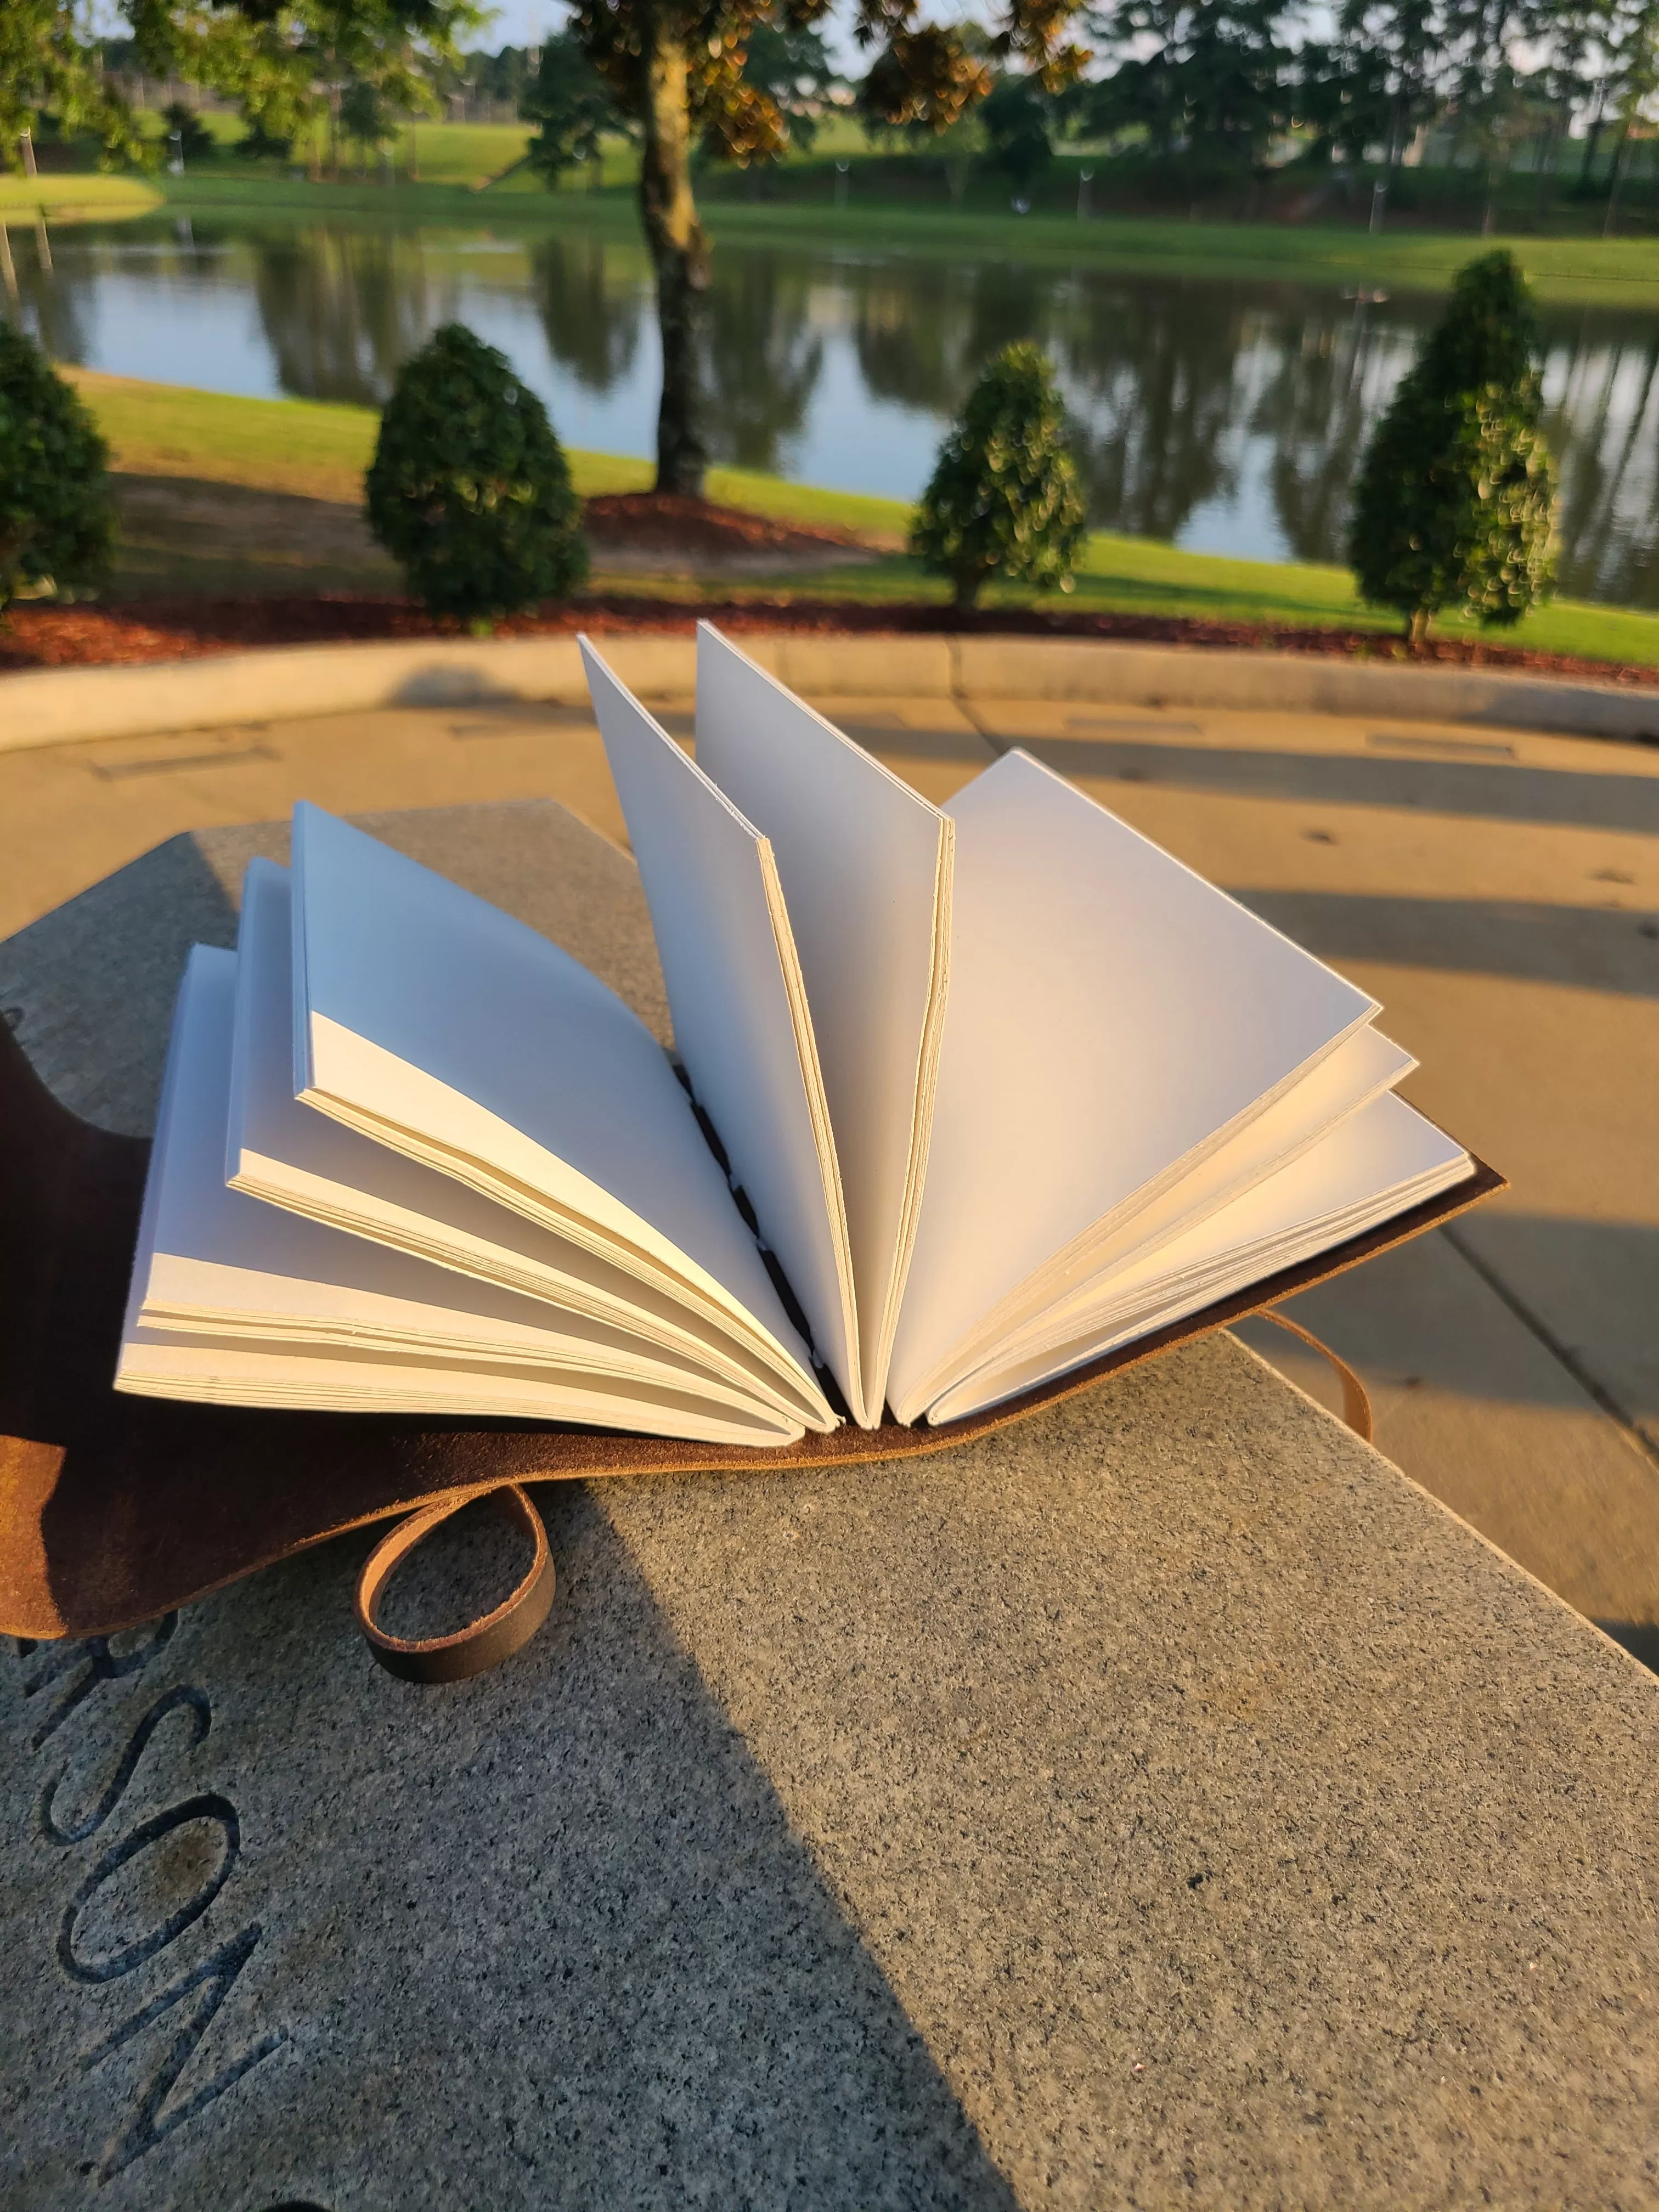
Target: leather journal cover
[(114, 1508)]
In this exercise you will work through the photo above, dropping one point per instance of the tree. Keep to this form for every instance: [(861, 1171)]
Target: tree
[(1456, 501), (1004, 501), (678, 71), (1018, 118), (469, 488), (47, 67), (1403, 42), (1202, 77), (182, 124), (571, 106), (56, 518), (288, 63), (366, 118), (1632, 39), (789, 65)]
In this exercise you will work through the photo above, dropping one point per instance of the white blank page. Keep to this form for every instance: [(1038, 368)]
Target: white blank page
[(1113, 1018), (1362, 1067), (865, 869), (1375, 1165), (281, 1150), (740, 1019), (240, 1301), (437, 1025)]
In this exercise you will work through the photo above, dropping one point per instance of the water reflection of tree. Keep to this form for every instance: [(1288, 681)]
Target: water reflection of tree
[(1605, 370), (58, 304), (1170, 385), (342, 308), (1151, 373), (1333, 371), (910, 328), (763, 356), (591, 292), (923, 330)]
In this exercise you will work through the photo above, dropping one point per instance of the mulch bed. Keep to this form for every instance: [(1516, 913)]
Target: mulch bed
[(50, 636), (668, 522)]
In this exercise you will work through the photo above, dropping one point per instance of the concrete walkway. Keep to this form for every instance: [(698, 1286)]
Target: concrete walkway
[(1499, 892)]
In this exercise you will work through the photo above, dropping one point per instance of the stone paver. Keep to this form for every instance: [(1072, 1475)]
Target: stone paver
[(1497, 891), (1158, 1803)]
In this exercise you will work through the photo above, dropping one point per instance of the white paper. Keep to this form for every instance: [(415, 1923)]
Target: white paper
[(240, 1302), (281, 1150), (865, 869), (1377, 1164), (741, 1022), (1362, 1067), (1113, 1018), (440, 1026)]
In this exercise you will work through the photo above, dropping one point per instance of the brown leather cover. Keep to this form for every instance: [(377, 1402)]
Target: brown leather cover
[(113, 1509)]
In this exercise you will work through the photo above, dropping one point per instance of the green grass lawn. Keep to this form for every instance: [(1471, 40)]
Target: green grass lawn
[(457, 161), (320, 451), (92, 199), (1621, 271)]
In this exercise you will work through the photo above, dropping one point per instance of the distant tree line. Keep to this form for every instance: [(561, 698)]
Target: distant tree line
[(1210, 91)]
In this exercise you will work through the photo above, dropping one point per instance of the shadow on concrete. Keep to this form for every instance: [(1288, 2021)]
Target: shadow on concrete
[(1590, 948), (88, 988), (1582, 1290), (1640, 1638), (605, 1966), (1498, 791)]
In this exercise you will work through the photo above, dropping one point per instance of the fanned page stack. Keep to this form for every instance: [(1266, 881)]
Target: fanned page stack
[(967, 1098)]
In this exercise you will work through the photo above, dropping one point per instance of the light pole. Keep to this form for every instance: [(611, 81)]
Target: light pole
[(842, 169), (1085, 179)]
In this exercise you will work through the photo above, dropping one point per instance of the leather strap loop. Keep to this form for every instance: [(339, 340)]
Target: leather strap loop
[(1356, 1398), (483, 1643)]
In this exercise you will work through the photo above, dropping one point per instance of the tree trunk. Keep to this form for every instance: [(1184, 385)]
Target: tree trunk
[(1617, 178), (1417, 628), (966, 583), (680, 251)]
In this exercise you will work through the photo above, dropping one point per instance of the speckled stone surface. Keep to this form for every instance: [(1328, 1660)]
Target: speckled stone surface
[(1158, 1803)]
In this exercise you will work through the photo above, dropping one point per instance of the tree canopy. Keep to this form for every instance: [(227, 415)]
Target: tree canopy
[(1455, 503), (47, 69), (287, 62)]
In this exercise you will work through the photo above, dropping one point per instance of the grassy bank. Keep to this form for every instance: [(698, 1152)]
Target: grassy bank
[(456, 162), (301, 449), (75, 198), (1621, 272)]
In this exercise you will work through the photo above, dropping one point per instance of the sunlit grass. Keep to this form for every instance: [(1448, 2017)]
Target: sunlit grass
[(74, 199), (321, 450)]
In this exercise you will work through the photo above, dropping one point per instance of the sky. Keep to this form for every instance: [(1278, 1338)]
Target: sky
[(526, 22)]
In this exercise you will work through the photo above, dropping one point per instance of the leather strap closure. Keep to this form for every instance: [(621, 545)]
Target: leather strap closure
[(483, 1643), (1356, 1398)]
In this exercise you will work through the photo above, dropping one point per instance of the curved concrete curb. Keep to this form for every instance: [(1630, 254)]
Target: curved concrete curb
[(60, 706)]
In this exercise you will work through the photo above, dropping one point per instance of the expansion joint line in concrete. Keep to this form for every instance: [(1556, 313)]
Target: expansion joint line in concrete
[(964, 705), (1629, 1428)]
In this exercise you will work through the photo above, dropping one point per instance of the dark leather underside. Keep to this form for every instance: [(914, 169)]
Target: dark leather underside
[(113, 1509)]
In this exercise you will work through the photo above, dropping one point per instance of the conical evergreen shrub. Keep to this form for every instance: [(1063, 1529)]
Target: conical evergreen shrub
[(469, 488), (56, 515), (1004, 499), (1455, 500)]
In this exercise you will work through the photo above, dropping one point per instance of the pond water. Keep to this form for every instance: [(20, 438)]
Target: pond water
[(1224, 416)]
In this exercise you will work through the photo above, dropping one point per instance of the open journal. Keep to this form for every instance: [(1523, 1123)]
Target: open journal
[(963, 1099)]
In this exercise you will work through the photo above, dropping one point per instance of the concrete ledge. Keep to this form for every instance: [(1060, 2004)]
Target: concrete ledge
[(1085, 669), (61, 705)]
